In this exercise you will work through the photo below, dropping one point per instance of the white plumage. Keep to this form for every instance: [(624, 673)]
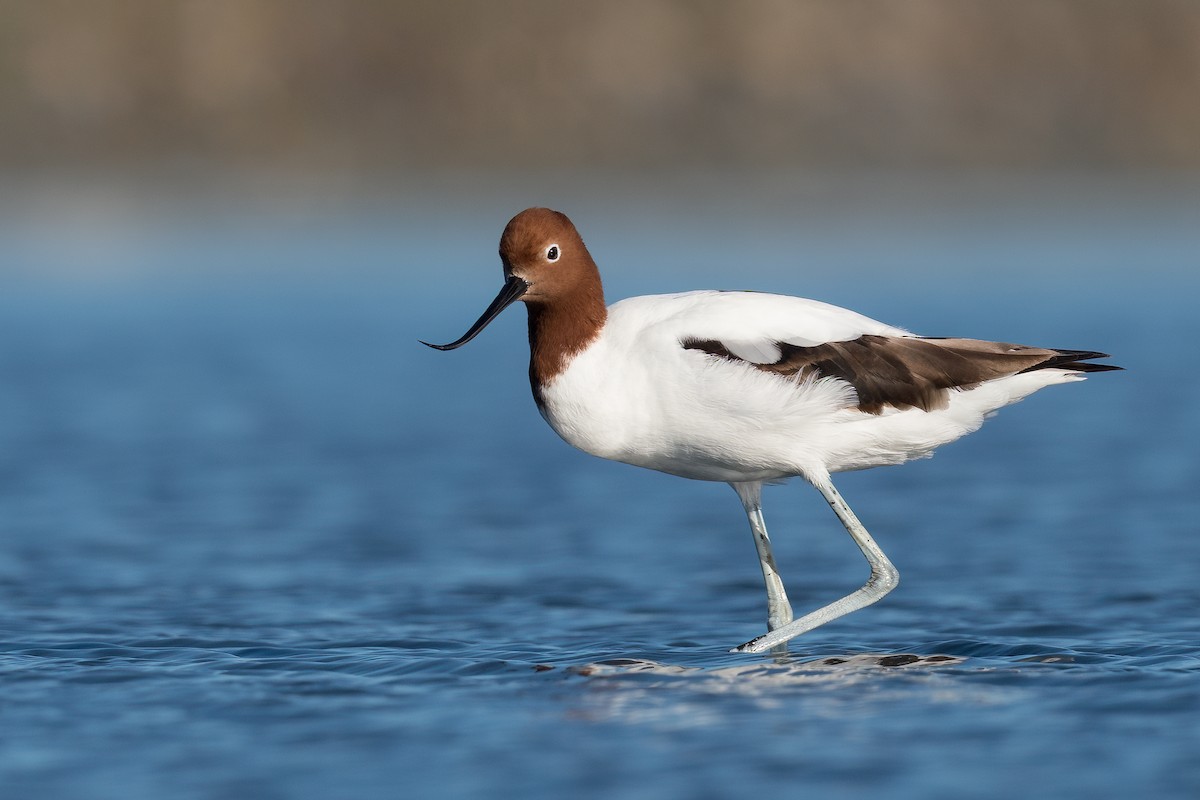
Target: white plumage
[(634, 395)]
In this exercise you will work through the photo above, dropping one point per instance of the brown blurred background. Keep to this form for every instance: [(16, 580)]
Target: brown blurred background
[(366, 86)]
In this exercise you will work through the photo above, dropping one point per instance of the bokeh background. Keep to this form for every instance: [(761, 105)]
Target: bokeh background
[(361, 87), (129, 120), (256, 542)]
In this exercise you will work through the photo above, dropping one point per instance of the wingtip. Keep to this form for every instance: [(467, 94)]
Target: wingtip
[(1088, 367), (1075, 361)]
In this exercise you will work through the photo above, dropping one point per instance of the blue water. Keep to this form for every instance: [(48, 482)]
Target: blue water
[(256, 542)]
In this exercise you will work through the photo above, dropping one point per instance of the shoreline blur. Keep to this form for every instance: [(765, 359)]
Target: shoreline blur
[(355, 88)]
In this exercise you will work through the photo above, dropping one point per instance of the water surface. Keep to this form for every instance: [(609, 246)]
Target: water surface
[(257, 542)]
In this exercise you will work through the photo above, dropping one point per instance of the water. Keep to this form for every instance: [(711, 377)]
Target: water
[(258, 543)]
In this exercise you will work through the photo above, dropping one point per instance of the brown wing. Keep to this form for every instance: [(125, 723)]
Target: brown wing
[(909, 372)]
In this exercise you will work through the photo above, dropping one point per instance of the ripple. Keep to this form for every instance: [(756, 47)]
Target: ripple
[(257, 567)]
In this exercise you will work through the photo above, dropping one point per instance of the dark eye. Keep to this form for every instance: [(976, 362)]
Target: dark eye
[(552, 253)]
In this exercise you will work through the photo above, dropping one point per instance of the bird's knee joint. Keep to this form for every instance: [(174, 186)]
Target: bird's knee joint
[(885, 578)]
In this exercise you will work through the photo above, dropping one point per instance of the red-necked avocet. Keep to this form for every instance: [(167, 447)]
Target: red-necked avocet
[(744, 387)]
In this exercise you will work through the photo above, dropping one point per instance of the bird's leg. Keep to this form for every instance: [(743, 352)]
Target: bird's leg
[(779, 610), (884, 578)]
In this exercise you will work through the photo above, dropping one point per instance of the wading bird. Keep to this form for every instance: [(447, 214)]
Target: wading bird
[(745, 387)]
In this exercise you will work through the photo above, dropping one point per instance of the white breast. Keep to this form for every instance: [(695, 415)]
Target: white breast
[(636, 395)]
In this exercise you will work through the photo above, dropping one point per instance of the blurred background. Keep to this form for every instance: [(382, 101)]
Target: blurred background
[(245, 518), (359, 87), (118, 106), (125, 118)]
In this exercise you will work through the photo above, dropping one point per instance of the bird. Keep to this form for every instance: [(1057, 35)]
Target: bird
[(749, 388)]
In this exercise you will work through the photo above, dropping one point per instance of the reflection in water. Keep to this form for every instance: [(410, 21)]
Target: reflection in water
[(637, 692)]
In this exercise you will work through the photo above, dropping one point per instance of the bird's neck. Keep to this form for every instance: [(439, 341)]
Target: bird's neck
[(560, 330)]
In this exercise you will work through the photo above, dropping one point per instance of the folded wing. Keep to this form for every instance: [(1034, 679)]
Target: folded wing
[(903, 371)]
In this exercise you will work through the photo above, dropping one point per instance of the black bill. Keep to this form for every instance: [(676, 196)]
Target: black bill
[(512, 290)]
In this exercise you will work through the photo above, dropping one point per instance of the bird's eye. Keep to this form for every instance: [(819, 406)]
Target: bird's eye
[(552, 253)]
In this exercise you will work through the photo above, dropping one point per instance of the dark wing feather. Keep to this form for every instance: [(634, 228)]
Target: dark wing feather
[(909, 371)]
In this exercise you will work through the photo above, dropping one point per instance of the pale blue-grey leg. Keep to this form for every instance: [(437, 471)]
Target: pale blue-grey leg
[(884, 578), (779, 610)]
